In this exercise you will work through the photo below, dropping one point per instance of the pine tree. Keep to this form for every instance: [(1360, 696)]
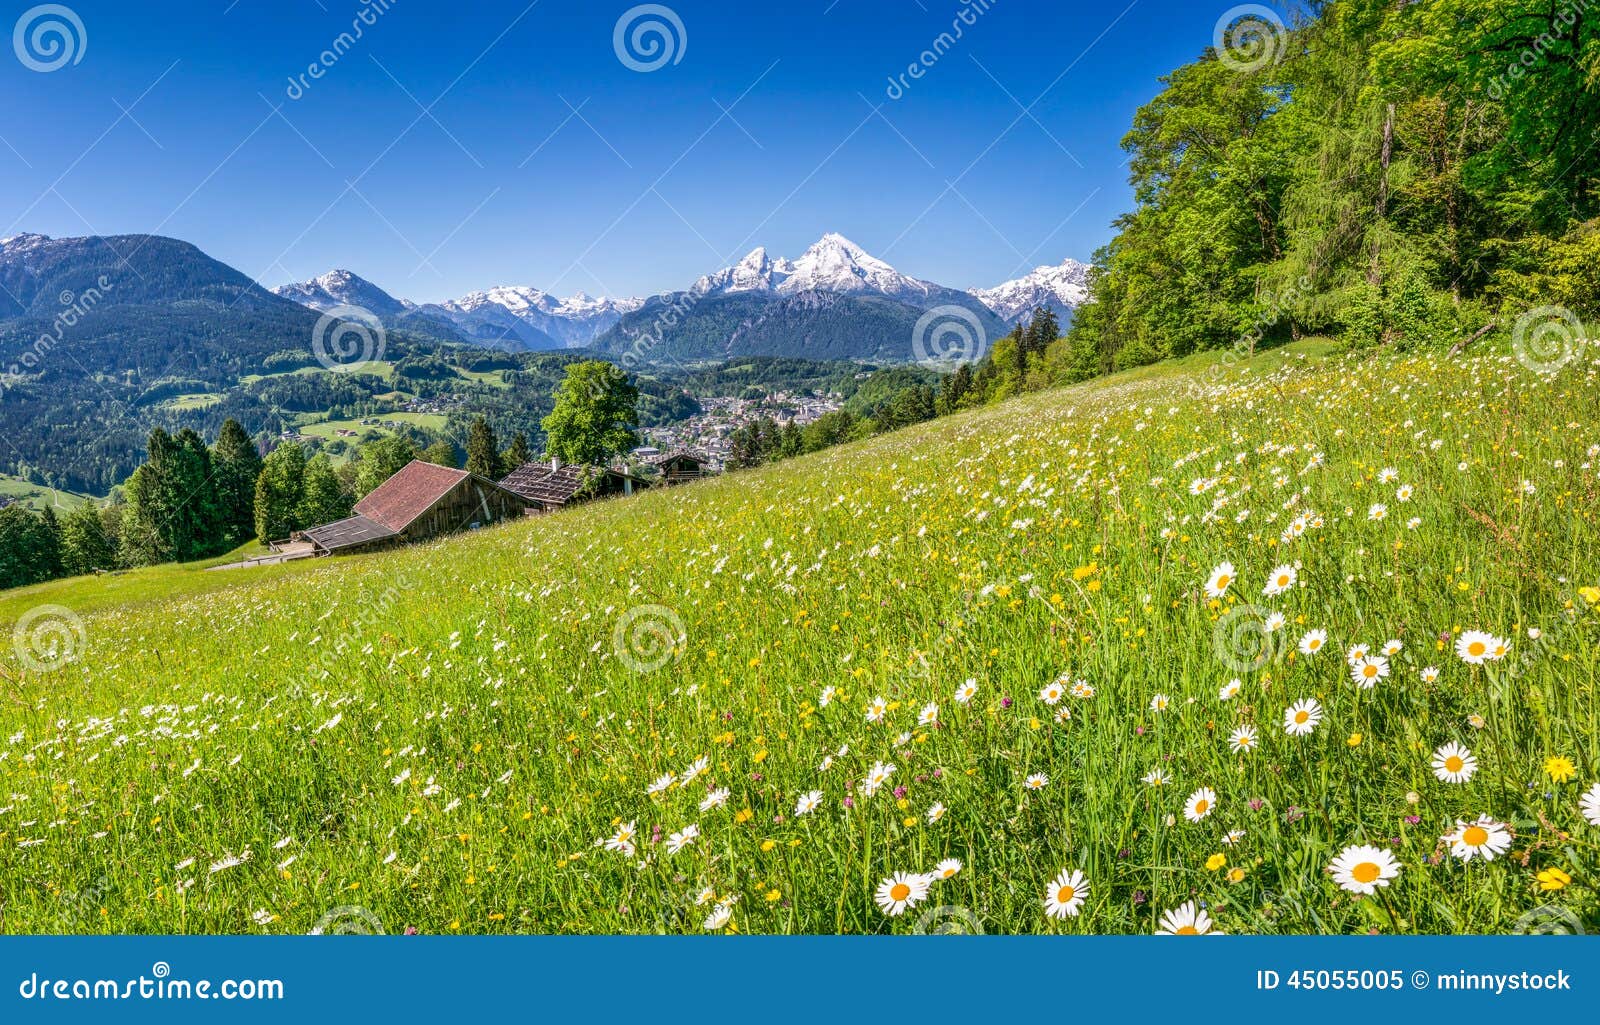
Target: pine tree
[(483, 451), (519, 453), (236, 464)]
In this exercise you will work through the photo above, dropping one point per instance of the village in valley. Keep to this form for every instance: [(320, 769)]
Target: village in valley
[(710, 432)]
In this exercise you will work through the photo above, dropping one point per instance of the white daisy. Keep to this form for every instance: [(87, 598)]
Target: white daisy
[(1280, 580), (1200, 804), (1300, 718), (808, 803), (1187, 919), (1066, 894), (1220, 580), (1361, 868), (1453, 763), (1485, 838), (1313, 642), (901, 891)]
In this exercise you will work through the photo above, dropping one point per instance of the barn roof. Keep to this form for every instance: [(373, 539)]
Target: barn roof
[(408, 494), (539, 483), (357, 530)]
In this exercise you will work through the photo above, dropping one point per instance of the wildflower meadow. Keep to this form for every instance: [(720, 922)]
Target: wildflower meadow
[(1304, 646)]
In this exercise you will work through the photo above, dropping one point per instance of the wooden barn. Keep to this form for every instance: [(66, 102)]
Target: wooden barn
[(679, 466), (422, 501), (552, 485)]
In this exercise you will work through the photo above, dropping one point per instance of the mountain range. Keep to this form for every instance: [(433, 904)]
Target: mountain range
[(856, 306)]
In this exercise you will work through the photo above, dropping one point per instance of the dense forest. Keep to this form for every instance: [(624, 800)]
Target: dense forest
[(1390, 172)]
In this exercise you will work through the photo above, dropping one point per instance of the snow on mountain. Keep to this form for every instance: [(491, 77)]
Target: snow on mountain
[(832, 264), (757, 272), (572, 321), (343, 288), (1062, 288)]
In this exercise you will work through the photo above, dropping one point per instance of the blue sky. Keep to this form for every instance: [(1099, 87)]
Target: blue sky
[(458, 146)]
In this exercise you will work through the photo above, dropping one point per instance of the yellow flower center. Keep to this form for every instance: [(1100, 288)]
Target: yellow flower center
[(1065, 895), (1366, 872), (1186, 930), (1201, 805), (899, 891), (1475, 836), (1223, 581), (1369, 671), (1454, 764), (1301, 716), (1476, 648)]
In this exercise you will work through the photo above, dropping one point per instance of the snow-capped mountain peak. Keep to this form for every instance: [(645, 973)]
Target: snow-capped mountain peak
[(1062, 287), (342, 288), (757, 272), (832, 264)]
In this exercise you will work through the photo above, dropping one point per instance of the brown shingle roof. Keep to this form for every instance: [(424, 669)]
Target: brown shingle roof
[(355, 531), (409, 494), (538, 482)]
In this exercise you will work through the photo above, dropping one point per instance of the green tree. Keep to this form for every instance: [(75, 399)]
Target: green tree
[(30, 551), (440, 453), (381, 460), (519, 454), (280, 490), (323, 498), (596, 407), (85, 545), (236, 464), (483, 450)]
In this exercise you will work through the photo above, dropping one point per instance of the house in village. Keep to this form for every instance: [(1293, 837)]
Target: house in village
[(552, 485), (422, 501)]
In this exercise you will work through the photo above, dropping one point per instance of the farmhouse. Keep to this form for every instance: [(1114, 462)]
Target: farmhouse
[(554, 485), (422, 501), (679, 466)]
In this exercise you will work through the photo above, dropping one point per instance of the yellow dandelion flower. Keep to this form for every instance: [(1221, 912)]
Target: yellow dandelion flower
[(1559, 768)]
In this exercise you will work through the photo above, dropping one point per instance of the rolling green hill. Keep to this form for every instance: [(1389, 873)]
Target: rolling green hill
[(742, 704)]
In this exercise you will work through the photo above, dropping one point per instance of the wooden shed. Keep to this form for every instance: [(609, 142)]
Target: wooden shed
[(422, 501)]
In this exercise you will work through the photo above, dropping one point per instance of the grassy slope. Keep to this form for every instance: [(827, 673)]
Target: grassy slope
[(440, 735)]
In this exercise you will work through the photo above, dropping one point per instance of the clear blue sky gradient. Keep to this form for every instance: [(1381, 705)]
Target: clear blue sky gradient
[(441, 154)]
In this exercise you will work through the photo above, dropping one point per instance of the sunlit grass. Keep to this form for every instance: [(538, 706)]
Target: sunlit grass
[(440, 736)]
